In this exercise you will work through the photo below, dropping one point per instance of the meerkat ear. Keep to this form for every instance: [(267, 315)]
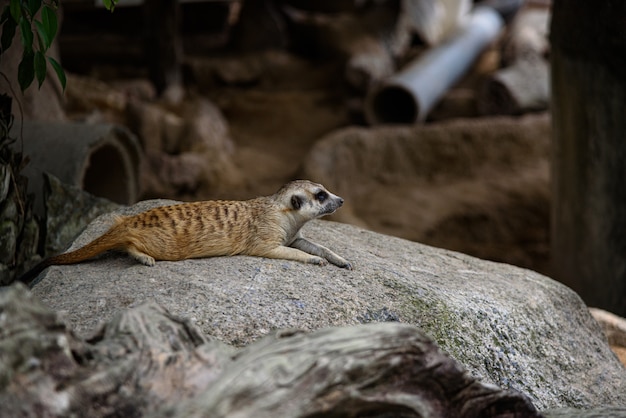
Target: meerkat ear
[(296, 202)]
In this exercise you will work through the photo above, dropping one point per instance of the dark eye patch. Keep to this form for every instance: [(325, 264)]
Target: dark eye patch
[(296, 202), (321, 196)]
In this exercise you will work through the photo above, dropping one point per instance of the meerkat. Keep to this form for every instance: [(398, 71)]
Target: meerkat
[(267, 226)]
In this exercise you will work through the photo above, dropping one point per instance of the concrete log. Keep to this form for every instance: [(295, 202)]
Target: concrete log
[(409, 95), (101, 159)]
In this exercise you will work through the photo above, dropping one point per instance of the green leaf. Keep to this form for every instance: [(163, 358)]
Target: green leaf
[(59, 70), (16, 10), (27, 35), (26, 70), (33, 7), (109, 4), (40, 67), (43, 36), (8, 32), (49, 20)]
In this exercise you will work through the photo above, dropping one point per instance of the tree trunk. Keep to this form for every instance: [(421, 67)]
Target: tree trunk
[(163, 43), (589, 155)]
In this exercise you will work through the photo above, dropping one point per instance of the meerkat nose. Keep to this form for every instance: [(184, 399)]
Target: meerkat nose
[(340, 201)]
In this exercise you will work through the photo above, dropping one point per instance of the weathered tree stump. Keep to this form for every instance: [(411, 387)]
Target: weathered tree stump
[(148, 362), (514, 90), (524, 84)]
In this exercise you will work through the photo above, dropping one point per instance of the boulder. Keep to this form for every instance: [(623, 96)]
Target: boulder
[(600, 412), (478, 186), (508, 326)]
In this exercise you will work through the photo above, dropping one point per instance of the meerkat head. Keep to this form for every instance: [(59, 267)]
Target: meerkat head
[(309, 200)]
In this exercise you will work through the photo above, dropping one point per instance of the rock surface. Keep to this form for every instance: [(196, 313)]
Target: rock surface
[(508, 326), (601, 412), (68, 211)]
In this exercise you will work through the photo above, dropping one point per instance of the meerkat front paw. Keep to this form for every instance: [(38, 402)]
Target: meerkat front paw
[(147, 261), (144, 259), (319, 261), (346, 265), (339, 261)]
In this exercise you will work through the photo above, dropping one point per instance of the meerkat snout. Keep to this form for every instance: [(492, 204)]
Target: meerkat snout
[(332, 204), (328, 198)]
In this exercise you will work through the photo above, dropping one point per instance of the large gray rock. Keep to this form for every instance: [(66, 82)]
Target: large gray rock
[(600, 412), (507, 325)]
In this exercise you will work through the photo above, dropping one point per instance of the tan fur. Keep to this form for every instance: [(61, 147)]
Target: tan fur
[(266, 227)]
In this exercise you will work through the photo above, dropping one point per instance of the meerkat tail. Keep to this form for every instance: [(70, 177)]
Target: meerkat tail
[(106, 242), (28, 277)]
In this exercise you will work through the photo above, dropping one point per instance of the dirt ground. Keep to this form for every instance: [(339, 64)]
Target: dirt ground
[(275, 121)]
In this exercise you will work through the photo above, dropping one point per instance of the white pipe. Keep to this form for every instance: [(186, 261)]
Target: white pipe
[(409, 95)]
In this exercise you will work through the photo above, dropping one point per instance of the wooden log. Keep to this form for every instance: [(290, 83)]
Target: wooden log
[(614, 328), (143, 359), (520, 88), (368, 61), (435, 20), (382, 369), (524, 84), (527, 36), (148, 362), (369, 38)]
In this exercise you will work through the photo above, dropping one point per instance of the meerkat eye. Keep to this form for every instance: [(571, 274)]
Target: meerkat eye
[(321, 196)]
